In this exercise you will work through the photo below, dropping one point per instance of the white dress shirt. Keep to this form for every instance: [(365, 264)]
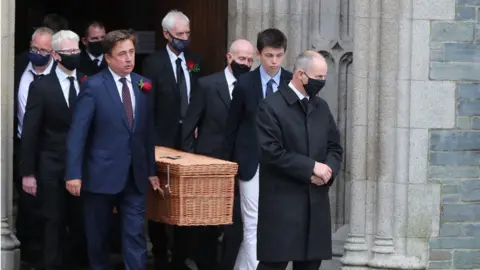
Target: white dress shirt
[(100, 58), (65, 82), (298, 93), (230, 81), (173, 59), (25, 80), (119, 84)]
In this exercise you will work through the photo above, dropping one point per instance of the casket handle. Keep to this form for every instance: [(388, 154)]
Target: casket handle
[(167, 186)]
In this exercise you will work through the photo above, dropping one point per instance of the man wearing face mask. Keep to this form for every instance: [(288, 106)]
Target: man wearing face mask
[(29, 66), (47, 120), (92, 60), (300, 157), (174, 72), (208, 112)]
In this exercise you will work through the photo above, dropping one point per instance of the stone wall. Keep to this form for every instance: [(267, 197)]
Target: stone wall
[(454, 156)]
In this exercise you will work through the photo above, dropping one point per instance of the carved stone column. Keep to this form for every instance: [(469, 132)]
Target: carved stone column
[(10, 244)]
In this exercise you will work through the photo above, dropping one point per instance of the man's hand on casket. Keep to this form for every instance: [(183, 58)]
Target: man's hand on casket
[(155, 182)]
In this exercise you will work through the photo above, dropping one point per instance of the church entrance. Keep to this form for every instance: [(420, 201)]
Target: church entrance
[(208, 22)]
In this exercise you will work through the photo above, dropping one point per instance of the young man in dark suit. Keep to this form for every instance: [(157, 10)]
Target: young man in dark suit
[(241, 143), (92, 60), (48, 114), (174, 72), (29, 66), (300, 156), (207, 113), (110, 153)]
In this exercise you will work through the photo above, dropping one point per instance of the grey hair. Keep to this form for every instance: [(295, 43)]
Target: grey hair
[(172, 17), (304, 60), (42, 31), (61, 36)]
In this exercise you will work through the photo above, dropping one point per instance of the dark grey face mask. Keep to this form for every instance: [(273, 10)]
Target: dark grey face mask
[(180, 45)]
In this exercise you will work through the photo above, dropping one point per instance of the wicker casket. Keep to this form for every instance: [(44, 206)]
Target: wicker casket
[(198, 189)]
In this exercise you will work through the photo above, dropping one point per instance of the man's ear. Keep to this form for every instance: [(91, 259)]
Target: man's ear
[(84, 41), (57, 57)]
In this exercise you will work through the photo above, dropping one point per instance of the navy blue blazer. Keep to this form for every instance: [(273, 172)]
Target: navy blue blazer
[(241, 144), (102, 149)]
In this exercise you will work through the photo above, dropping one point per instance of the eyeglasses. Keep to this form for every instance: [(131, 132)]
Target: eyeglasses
[(40, 51), (69, 52)]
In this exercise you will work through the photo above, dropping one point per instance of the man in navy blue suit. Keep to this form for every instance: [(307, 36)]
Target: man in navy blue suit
[(110, 153)]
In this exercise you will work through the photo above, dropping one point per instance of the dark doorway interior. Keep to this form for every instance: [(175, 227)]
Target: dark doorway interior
[(209, 21)]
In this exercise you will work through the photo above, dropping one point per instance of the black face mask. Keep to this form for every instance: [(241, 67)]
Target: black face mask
[(95, 48), (180, 45), (239, 69), (70, 61), (313, 86)]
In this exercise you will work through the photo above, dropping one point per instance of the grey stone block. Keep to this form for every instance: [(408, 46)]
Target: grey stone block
[(454, 71), (440, 265), (440, 255), (446, 140), (436, 55), (449, 172), (463, 122), (476, 123), (465, 13), (468, 107), (455, 243), (466, 259), (472, 230), (451, 198), (461, 213), (452, 31), (449, 189), (455, 158), (468, 2), (470, 191), (469, 90), (448, 229), (462, 52)]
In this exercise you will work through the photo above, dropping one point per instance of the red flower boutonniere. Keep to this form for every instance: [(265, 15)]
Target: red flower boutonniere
[(83, 79), (192, 67), (144, 86)]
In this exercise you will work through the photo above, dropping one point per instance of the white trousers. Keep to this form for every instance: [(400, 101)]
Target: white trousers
[(247, 255)]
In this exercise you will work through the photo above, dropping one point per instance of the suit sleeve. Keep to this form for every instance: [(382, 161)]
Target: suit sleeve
[(77, 136), (334, 149), (194, 114), (273, 153), (32, 125), (150, 144), (235, 116)]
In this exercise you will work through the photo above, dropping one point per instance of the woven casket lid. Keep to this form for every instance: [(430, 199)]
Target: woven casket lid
[(182, 163)]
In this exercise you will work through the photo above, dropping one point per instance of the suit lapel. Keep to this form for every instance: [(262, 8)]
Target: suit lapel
[(137, 93), (168, 67), (59, 91), (223, 90), (112, 90), (257, 84)]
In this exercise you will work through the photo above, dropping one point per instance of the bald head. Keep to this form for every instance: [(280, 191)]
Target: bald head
[(240, 57), (309, 66)]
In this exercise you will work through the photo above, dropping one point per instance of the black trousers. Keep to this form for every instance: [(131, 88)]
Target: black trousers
[(29, 221), (232, 237), (309, 265), (65, 242), (205, 251)]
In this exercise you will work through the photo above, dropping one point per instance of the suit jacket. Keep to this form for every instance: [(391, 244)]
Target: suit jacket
[(45, 127), (102, 150), (166, 95), (87, 66), (208, 111), (241, 143), (294, 214)]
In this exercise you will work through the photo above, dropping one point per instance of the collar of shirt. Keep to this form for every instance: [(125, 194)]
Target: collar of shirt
[(229, 76), (45, 72), (265, 77), (117, 78), (61, 75), (173, 57), (298, 93), (100, 57)]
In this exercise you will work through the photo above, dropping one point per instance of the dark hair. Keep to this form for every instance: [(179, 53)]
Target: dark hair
[(271, 37), (113, 37), (55, 22), (94, 24)]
